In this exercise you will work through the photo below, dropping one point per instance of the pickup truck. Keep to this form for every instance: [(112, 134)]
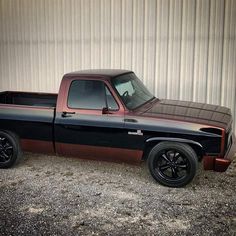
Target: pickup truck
[(110, 115)]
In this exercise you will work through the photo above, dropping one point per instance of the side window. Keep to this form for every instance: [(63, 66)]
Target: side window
[(87, 94), (111, 103)]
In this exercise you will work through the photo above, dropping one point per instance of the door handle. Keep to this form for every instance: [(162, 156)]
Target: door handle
[(67, 114), (130, 120)]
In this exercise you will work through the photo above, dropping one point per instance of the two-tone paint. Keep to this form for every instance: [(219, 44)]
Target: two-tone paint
[(121, 135)]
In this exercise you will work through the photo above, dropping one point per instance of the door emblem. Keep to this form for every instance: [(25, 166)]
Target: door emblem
[(139, 132)]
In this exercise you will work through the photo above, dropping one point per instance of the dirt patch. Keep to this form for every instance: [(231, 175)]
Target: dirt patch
[(49, 195)]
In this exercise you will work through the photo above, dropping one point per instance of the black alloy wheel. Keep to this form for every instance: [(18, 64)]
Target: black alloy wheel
[(6, 150), (9, 149), (173, 164)]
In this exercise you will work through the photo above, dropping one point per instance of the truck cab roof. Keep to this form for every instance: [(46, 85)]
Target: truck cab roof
[(106, 73)]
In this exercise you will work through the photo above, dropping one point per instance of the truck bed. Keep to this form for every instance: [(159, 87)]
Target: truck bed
[(28, 99), (30, 116)]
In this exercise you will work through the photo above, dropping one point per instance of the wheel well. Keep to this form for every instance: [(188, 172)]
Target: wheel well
[(148, 147), (11, 133)]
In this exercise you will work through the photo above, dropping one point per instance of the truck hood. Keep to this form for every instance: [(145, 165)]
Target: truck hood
[(186, 111)]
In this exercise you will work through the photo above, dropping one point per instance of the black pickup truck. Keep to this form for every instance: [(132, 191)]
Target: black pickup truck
[(110, 115)]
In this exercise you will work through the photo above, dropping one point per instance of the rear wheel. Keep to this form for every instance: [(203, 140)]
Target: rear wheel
[(172, 164), (10, 151)]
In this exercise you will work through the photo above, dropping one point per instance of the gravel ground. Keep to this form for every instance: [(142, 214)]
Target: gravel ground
[(48, 195)]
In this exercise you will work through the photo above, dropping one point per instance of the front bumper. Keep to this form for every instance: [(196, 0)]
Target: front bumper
[(221, 164)]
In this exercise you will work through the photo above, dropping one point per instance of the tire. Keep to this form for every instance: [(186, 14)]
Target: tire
[(172, 164), (10, 152)]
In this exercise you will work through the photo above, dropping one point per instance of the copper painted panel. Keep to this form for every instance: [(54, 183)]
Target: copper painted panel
[(37, 146), (100, 153)]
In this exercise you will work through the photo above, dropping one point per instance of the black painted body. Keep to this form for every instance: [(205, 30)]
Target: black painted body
[(38, 117)]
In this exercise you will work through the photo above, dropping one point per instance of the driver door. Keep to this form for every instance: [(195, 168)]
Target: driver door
[(91, 124)]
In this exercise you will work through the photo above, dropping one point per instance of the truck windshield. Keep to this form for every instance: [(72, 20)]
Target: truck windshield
[(131, 90)]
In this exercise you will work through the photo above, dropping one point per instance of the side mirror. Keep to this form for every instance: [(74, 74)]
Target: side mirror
[(105, 110)]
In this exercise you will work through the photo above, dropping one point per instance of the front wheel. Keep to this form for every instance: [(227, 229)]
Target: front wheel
[(172, 164)]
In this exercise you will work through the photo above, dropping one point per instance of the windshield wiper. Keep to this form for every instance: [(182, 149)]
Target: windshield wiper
[(144, 103)]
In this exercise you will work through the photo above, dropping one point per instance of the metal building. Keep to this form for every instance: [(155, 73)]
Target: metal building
[(181, 49)]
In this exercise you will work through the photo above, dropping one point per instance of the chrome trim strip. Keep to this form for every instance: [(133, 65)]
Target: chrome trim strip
[(174, 140)]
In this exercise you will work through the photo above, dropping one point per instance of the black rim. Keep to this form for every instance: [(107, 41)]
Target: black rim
[(6, 150), (172, 164)]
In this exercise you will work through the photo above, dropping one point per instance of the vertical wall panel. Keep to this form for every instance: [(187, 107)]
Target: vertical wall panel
[(216, 31), (201, 50), (162, 41), (228, 90), (138, 37), (174, 49), (187, 50), (149, 45), (181, 49)]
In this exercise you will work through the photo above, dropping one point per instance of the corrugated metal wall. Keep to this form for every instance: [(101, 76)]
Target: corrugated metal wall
[(182, 49)]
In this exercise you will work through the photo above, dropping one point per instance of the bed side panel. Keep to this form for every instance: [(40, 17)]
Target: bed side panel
[(34, 126)]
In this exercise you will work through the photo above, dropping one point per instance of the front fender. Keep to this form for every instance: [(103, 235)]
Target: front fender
[(197, 147)]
